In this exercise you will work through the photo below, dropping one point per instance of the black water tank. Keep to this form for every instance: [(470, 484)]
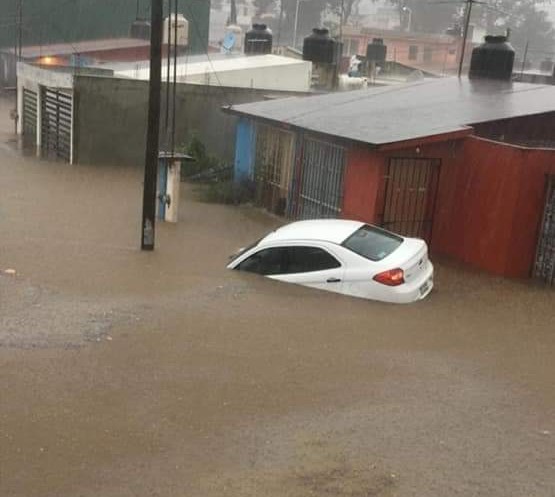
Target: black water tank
[(546, 65), (258, 40), (140, 29), (493, 59), (320, 47), (376, 51)]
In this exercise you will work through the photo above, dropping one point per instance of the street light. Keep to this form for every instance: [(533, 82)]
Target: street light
[(297, 22), (409, 10)]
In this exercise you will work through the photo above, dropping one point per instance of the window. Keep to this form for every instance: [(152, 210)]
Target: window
[(308, 259), (289, 260), (413, 52), (373, 243), (266, 262), (428, 54)]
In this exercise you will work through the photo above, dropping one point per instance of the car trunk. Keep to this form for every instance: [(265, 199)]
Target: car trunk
[(411, 257)]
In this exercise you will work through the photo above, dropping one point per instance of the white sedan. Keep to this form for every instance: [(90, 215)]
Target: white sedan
[(348, 257)]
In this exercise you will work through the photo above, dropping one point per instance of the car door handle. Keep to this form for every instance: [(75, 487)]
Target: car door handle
[(333, 280)]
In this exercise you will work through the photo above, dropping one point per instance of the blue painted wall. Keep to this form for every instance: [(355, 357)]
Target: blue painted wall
[(245, 146)]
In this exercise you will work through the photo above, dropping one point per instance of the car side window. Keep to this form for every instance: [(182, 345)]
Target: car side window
[(309, 259), (266, 262)]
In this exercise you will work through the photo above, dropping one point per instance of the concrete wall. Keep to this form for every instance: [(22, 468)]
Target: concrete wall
[(111, 117)]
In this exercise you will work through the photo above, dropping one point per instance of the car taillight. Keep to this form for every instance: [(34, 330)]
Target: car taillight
[(393, 277)]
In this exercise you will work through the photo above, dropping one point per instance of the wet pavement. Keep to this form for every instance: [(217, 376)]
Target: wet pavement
[(162, 374)]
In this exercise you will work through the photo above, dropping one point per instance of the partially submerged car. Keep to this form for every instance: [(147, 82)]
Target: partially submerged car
[(348, 257)]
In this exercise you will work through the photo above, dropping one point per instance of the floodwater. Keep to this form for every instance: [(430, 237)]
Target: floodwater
[(125, 373)]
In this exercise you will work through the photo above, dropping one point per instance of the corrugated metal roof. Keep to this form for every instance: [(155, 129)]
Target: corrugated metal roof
[(380, 116)]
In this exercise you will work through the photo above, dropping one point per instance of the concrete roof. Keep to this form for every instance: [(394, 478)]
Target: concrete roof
[(215, 63), (380, 116), (79, 47)]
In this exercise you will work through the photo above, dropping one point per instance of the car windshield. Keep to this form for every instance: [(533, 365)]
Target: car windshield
[(372, 243), (241, 251)]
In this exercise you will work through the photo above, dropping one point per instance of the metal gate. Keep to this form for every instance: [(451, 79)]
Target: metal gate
[(56, 123), (545, 257), (29, 116), (273, 165), (410, 194), (320, 180)]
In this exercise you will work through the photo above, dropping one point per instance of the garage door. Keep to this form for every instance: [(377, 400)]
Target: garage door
[(56, 121), (545, 258), (29, 116), (321, 175)]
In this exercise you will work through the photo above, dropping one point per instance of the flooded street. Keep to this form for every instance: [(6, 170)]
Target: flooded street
[(126, 373)]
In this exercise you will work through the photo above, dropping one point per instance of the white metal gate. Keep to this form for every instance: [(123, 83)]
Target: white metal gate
[(56, 123), (29, 116), (320, 180), (545, 257)]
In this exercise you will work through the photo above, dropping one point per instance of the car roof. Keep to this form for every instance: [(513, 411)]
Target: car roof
[(327, 230)]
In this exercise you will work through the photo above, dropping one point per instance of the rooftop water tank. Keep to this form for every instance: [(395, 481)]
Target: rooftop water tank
[(258, 40), (546, 65), (376, 51), (320, 47), (140, 30), (182, 30), (233, 39), (493, 59)]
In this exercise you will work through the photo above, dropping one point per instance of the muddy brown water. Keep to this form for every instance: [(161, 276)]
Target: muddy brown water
[(163, 374)]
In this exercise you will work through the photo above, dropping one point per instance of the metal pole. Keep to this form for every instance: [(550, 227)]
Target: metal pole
[(20, 29), (341, 20), (524, 59), (153, 129), (174, 78), (280, 22), (296, 24), (168, 46), (465, 33)]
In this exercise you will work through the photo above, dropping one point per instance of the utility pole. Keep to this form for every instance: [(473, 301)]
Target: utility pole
[(153, 129), (19, 28), (469, 4), (233, 13)]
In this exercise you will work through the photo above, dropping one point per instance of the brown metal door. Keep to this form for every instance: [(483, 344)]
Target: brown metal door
[(273, 165), (410, 192)]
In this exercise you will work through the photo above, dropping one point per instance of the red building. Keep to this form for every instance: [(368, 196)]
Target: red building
[(467, 165)]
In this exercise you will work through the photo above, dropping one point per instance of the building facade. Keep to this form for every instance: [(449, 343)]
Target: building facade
[(481, 193)]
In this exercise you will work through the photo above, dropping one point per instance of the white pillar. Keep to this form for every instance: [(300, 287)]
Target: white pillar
[(172, 190), (72, 127), (39, 118), (19, 110)]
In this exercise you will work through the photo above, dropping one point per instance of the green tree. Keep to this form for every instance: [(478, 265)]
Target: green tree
[(527, 23)]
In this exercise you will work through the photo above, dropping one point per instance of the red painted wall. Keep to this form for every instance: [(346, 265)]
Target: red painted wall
[(489, 204), (362, 185)]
